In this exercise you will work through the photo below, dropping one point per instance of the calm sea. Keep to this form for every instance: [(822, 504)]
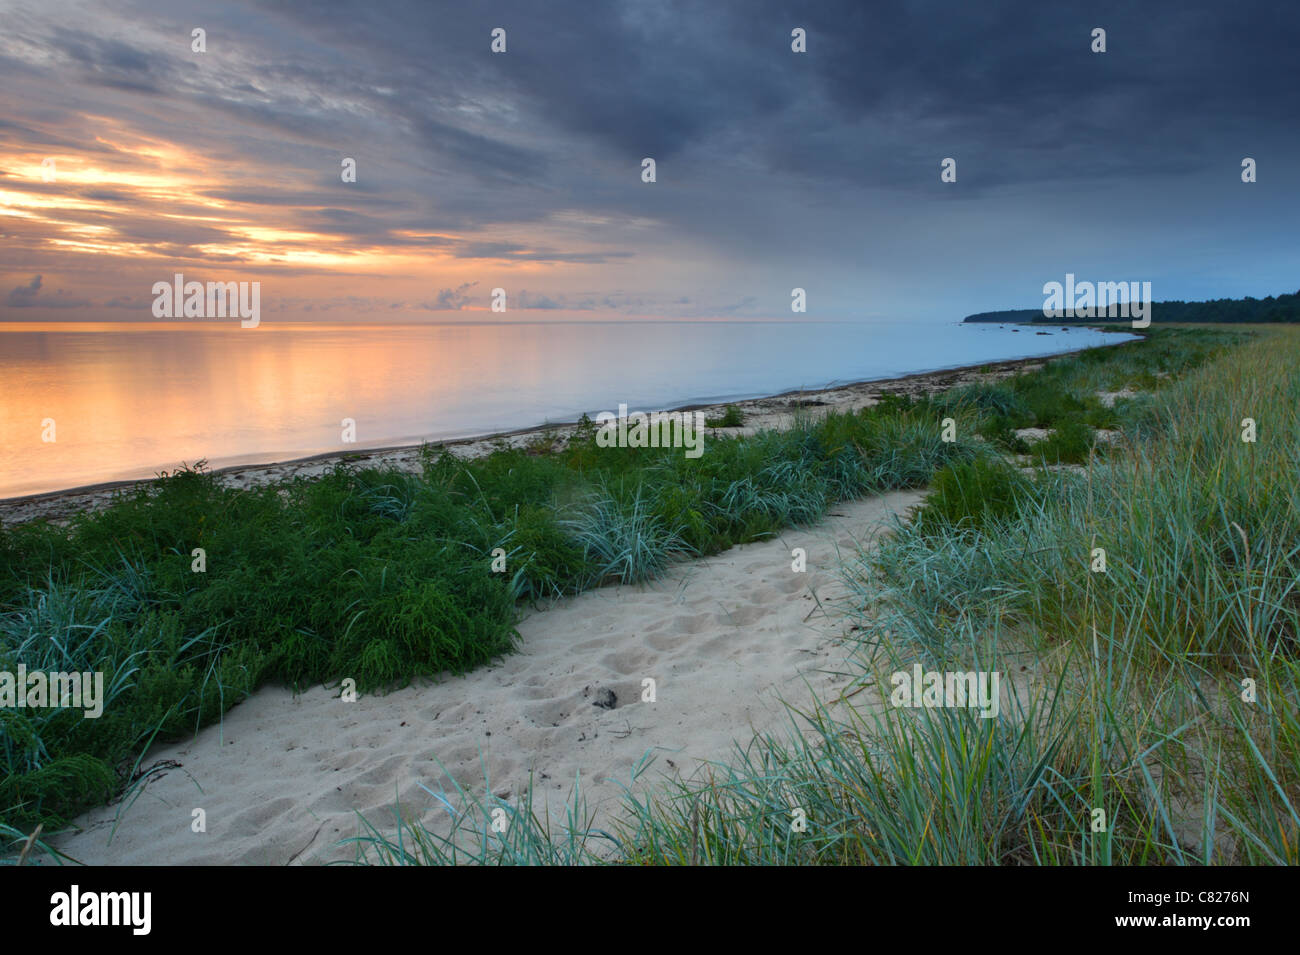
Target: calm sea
[(129, 400)]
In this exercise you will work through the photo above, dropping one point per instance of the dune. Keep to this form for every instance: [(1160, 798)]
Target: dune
[(727, 640)]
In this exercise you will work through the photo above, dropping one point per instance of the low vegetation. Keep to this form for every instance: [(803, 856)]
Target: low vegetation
[(731, 417), (1152, 706), (377, 576), (1136, 708)]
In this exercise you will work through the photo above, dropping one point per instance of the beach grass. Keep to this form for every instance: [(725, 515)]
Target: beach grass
[(731, 417), (378, 576), (385, 576), (1151, 712)]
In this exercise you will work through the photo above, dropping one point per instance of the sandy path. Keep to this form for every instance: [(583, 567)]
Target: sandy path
[(725, 639)]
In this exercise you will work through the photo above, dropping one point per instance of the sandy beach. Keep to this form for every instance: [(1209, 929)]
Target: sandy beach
[(580, 435), (728, 641)]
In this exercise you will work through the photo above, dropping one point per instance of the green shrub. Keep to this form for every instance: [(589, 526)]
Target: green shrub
[(972, 494), (1069, 443), (732, 417)]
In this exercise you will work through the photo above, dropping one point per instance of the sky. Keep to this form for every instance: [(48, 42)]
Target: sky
[(523, 169)]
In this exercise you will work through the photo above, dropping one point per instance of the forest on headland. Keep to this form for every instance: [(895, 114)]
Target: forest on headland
[(1281, 308)]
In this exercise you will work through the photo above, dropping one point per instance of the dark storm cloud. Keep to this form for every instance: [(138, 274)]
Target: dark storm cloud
[(879, 86), (827, 158), (110, 62), (882, 93)]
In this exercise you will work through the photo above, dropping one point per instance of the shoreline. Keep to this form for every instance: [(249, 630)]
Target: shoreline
[(764, 412)]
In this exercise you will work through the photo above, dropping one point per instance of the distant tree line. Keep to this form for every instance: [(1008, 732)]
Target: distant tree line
[(1282, 308)]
